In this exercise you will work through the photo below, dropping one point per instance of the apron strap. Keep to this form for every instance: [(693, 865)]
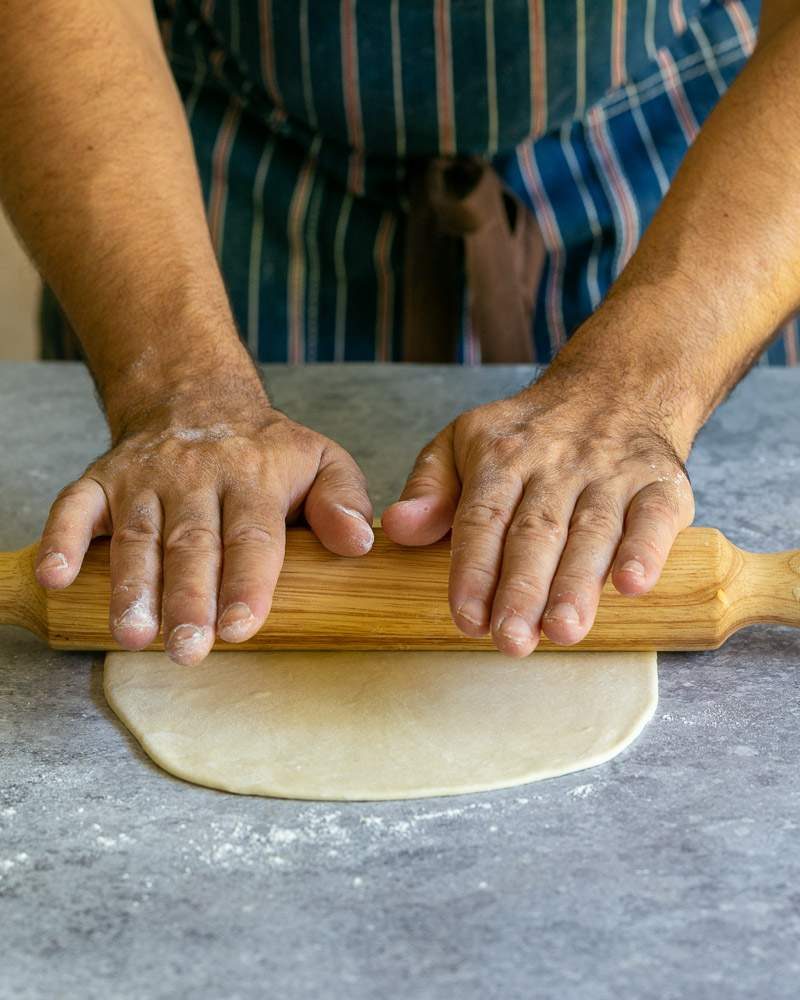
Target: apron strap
[(463, 221)]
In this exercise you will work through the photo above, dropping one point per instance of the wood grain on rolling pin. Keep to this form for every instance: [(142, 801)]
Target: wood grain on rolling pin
[(396, 598)]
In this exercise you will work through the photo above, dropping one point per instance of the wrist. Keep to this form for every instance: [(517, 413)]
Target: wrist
[(221, 385), (626, 361)]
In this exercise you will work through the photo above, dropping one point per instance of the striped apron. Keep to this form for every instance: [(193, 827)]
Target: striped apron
[(310, 117)]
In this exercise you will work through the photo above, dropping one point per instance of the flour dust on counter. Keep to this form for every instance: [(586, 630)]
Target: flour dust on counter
[(380, 725)]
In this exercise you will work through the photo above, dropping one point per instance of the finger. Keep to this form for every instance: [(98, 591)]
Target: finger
[(192, 558), (533, 547), (424, 513), (338, 507), (594, 532), (479, 530), (655, 516), (136, 572), (254, 541), (79, 513)]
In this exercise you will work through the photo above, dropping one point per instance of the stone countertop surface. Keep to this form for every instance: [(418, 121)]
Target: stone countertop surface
[(671, 872)]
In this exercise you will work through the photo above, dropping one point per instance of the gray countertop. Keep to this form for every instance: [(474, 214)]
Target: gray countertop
[(671, 872)]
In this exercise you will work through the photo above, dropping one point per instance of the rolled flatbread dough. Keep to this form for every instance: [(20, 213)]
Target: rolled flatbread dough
[(380, 725)]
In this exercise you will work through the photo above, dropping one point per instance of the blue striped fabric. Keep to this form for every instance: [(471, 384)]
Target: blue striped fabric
[(306, 113)]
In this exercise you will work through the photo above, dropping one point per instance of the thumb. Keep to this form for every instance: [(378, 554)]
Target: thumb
[(338, 507), (424, 513)]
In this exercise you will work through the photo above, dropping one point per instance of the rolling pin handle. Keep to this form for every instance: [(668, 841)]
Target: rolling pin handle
[(767, 590), (22, 600)]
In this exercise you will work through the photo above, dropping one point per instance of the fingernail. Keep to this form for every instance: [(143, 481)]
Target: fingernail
[(634, 567), (53, 560), (236, 622), (563, 612), (516, 630), (421, 503), (473, 611), (137, 615), (352, 513), (365, 542), (186, 643), (365, 537)]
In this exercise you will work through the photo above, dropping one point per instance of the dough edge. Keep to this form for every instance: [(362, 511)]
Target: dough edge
[(186, 773)]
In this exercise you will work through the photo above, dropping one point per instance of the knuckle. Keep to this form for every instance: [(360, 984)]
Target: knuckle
[(474, 572), (429, 454), (483, 516), (536, 526), (422, 480), (130, 586), (577, 580), (433, 450), (432, 459), (504, 446), (468, 423), (342, 473), (657, 507), (526, 584), (192, 537), (648, 541), (505, 443), (480, 572), (247, 534), (242, 583), (73, 496), (136, 533), (595, 522), (187, 593)]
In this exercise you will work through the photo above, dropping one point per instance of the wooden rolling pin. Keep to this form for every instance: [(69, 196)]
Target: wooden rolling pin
[(396, 598)]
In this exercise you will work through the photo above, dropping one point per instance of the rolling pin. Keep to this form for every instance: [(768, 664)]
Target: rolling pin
[(396, 598)]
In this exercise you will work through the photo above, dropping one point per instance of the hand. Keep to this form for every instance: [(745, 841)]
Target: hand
[(200, 497), (545, 493)]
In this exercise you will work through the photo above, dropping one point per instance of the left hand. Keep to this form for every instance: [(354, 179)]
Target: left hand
[(546, 492)]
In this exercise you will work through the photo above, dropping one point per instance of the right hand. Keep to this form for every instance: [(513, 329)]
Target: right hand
[(196, 505)]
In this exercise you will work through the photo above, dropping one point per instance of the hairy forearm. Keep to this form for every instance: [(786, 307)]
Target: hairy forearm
[(718, 270), (98, 175)]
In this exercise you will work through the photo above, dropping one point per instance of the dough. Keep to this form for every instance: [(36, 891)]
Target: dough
[(380, 725)]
